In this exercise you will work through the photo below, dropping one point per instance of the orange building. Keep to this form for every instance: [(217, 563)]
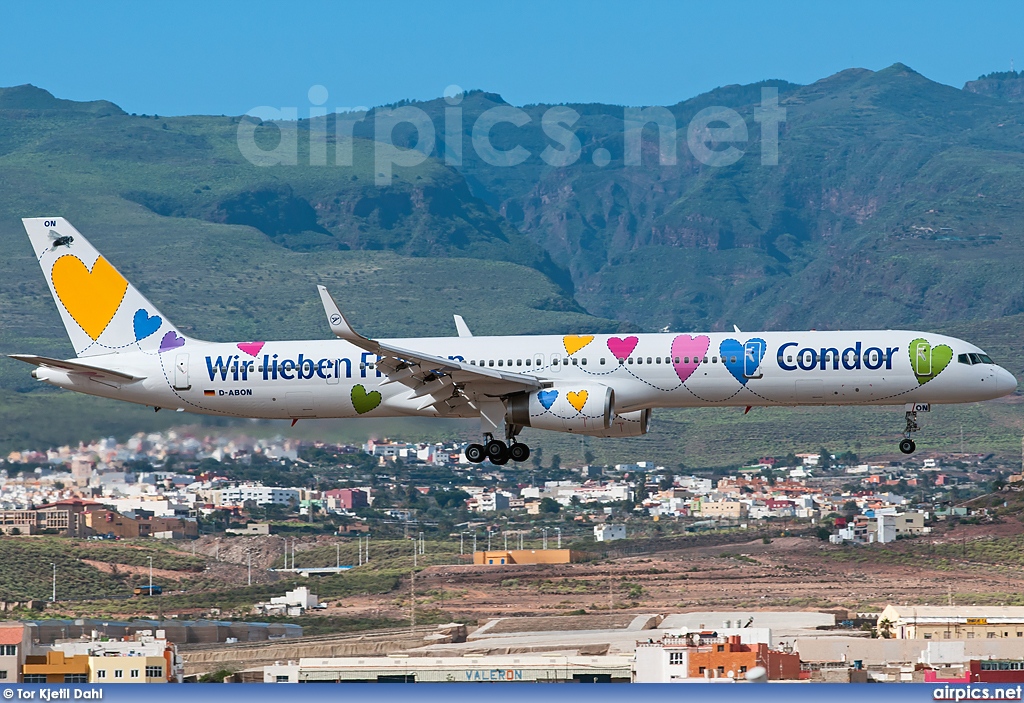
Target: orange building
[(526, 556), (56, 668), (699, 656), (728, 658)]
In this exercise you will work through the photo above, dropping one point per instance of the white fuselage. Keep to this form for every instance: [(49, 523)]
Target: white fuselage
[(334, 379)]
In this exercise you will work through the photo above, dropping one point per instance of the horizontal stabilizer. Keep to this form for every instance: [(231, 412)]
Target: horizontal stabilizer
[(97, 372)]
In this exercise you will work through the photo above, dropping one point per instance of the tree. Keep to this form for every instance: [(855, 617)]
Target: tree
[(549, 505), (641, 487), (850, 508), (536, 455), (823, 533), (556, 462), (885, 626), (667, 481)]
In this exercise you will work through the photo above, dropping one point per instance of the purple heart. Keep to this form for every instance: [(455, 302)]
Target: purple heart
[(171, 341)]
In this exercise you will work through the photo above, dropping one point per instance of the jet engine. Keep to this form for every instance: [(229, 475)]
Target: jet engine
[(631, 424), (582, 408)]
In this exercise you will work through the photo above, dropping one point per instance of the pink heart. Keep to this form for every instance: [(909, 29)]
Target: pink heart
[(686, 351), (251, 348), (622, 348), (171, 341)]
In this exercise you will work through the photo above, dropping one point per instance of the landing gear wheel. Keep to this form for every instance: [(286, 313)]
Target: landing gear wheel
[(907, 446), (475, 453), (497, 452), (519, 452)]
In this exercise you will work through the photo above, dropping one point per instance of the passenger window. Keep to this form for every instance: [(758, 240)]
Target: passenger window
[(714, 360), (639, 360), (491, 362), (963, 359), (509, 362), (527, 362), (687, 360), (501, 362), (789, 359), (732, 359), (472, 363), (519, 362), (575, 361), (629, 360), (584, 362), (648, 360), (705, 360), (602, 361)]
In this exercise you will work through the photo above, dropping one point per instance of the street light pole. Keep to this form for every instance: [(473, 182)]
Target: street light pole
[(462, 549), (337, 550), (559, 530), (150, 575), (544, 541), (53, 598), (248, 554)]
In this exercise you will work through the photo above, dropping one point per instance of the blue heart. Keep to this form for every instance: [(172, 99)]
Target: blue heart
[(144, 324), (547, 398), (747, 355)]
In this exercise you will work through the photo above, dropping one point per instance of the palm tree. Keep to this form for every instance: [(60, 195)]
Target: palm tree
[(885, 626)]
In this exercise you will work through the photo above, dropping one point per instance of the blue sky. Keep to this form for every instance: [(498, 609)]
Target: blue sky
[(217, 57)]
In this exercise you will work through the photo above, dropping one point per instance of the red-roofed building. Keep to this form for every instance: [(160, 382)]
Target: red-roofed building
[(13, 645), (63, 517)]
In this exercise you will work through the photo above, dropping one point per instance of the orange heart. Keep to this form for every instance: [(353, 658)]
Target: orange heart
[(574, 342), (90, 297), (577, 400)]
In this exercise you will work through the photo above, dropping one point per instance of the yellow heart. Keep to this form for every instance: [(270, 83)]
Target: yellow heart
[(90, 297), (577, 400), (575, 342)]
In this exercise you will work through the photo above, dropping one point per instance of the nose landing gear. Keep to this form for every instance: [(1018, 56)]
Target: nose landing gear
[(907, 445)]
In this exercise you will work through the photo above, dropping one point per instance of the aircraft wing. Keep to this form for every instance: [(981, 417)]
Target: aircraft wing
[(437, 380), (97, 373)]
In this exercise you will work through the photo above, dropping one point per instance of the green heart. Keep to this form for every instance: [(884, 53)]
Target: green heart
[(924, 358), (362, 401)]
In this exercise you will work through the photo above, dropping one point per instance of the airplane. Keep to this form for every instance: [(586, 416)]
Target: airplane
[(598, 385)]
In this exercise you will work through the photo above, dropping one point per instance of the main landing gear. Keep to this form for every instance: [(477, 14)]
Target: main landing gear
[(907, 445), (497, 451)]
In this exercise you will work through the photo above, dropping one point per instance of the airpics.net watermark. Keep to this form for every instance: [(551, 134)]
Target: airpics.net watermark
[(715, 136)]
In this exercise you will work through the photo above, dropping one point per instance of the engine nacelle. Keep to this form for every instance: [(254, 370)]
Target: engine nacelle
[(631, 424), (583, 408)]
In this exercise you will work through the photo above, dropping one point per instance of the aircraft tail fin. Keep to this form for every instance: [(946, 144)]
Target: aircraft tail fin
[(102, 312)]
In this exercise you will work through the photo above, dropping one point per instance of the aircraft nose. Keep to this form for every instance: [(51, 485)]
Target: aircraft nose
[(1006, 382)]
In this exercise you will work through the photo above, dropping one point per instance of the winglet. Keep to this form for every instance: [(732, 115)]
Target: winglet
[(462, 327), (336, 319), (736, 329)]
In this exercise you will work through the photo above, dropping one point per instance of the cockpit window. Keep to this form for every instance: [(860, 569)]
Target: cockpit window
[(973, 358)]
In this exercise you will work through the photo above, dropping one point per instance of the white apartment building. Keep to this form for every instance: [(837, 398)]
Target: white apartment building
[(260, 495), (607, 533)]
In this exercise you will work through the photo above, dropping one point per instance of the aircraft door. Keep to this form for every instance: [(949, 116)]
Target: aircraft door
[(556, 362), (181, 373), (300, 404), (922, 358), (753, 352)]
